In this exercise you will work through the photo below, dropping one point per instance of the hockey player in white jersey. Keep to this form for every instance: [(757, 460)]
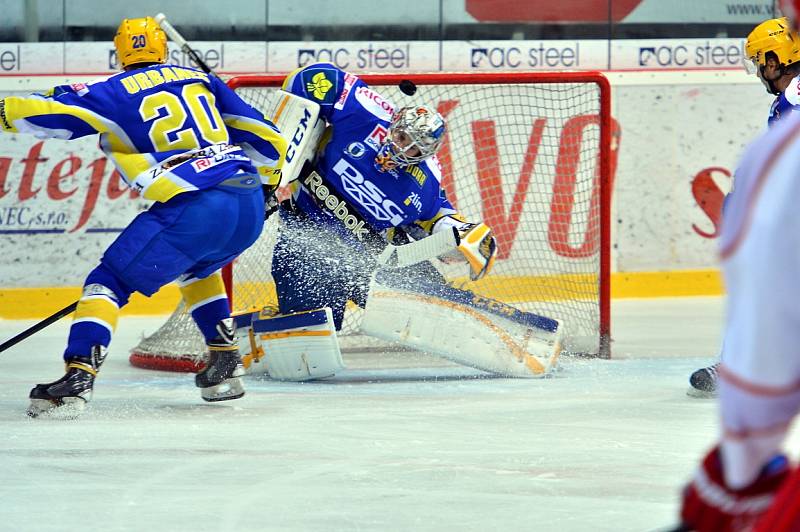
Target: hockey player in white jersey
[(772, 52), (374, 179), (745, 482)]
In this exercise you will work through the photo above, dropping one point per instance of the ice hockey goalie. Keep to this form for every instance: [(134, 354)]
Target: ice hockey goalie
[(373, 180)]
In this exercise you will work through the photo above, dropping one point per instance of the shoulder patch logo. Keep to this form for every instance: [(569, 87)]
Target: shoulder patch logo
[(80, 88), (356, 150), (319, 86), (376, 137)]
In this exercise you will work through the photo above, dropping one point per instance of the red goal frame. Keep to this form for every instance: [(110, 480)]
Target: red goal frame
[(188, 354)]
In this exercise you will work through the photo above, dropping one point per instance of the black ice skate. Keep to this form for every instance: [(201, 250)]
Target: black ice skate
[(69, 394), (221, 379), (703, 382)]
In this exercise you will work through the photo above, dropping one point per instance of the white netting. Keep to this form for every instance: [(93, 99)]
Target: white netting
[(524, 158)]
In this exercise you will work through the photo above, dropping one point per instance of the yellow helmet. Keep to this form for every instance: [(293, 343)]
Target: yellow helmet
[(774, 35), (140, 40)]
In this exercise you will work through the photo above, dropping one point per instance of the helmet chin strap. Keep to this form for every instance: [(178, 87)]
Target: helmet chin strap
[(770, 84)]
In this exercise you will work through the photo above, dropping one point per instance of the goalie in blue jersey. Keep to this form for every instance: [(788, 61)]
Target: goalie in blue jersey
[(186, 141), (378, 165), (371, 180)]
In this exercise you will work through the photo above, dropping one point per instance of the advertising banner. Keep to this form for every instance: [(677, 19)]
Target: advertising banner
[(679, 150), (393, 56), (656, 54), (61, 203), (356, 56), (271, 17), (525, 55), (621, 11)]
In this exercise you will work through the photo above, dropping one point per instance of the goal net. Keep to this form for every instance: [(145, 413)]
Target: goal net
[(529, 154)]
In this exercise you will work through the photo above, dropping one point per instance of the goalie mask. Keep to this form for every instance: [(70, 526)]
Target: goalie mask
[(415, 134), (771, 37), (140, 40)]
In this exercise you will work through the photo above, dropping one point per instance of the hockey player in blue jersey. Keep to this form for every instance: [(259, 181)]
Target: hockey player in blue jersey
[(772, 52), (375, 179), (186, 141)]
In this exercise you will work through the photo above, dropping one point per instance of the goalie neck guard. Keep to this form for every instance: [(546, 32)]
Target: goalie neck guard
[(140, 40)]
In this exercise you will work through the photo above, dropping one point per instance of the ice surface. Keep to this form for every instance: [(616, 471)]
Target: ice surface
[(396, 442)]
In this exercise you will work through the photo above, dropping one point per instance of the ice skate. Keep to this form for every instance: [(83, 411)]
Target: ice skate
[(221, 379), (67, 397), (703, 382)]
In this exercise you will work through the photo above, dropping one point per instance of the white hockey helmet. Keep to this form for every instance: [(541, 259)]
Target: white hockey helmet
[(419, 127)]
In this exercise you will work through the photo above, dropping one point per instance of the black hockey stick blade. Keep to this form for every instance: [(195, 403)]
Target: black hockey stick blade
[(33, 329)]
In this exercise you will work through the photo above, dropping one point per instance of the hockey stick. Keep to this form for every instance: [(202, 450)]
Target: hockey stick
[(177, 38), (30, 331)]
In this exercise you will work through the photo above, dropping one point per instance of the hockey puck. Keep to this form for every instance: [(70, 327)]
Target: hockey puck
[(408, 87)]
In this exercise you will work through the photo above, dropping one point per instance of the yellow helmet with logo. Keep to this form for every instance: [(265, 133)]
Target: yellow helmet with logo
[(774, 35), (140, 40)]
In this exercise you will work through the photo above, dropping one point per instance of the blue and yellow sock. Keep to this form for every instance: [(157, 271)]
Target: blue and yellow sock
[(97, 312), (207, 301)]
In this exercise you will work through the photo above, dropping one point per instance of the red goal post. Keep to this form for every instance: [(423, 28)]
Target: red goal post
[(531, 154)]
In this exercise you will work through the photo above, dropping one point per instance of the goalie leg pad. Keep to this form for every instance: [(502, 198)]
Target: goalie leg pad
[(461, 333), (297, 347)]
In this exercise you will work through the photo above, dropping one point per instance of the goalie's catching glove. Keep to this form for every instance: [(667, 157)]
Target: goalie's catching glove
[(479, 247), (710, 505), (476, 244)]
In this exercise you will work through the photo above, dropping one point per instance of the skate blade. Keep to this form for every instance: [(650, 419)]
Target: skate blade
[(67, 408), (700, 394), (227, 390)]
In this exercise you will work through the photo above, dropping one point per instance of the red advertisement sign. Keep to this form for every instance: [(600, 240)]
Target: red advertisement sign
[(564, 11)]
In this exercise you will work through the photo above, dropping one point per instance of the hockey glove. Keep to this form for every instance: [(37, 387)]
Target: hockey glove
[(270, 201), (784, 514), (479, 247), (709, 505)]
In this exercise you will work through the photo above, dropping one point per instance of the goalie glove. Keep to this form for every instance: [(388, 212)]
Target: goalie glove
[(479, 247), (710, 505)]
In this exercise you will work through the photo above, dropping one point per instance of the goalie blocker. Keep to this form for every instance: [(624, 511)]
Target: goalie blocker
[(299, 123)]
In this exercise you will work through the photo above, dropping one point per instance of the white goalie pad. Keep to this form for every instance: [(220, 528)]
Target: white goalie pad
[(464, 333), (290, 347), (299, 123)]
